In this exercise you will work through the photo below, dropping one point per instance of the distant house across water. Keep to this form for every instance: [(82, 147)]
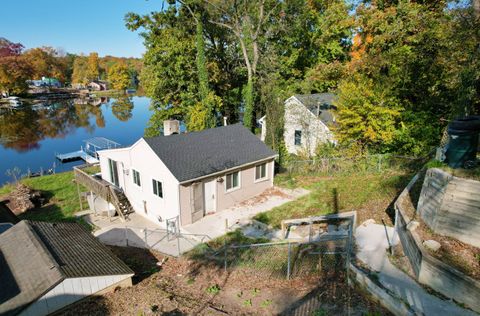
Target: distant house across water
[(98, 85), (45, 82)]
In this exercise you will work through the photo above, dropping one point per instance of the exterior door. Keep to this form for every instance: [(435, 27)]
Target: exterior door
[(210, 196), (113, 172), (198, 210)]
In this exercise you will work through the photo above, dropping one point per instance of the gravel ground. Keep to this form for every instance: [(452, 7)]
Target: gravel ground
[(185, 287)]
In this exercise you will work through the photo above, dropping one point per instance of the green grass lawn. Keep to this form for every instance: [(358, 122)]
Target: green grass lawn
[(60, 192), (370, 194)]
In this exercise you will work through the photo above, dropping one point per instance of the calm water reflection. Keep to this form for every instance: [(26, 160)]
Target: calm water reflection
[(30, 137)]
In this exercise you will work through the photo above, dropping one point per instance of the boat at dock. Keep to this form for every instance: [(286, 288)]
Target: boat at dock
[(89, 152)]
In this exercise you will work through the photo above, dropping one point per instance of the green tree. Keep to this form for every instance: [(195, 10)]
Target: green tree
[(119, 77)]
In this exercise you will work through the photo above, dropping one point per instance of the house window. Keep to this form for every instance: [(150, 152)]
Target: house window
[(112, 164), (136, 177), (298, 137), (261, 171), (233, 181), (157, 188)]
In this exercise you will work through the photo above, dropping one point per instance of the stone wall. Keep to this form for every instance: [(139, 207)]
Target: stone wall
[(450, 206), (429, 270)]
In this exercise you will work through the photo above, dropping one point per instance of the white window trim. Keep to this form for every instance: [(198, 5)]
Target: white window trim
[(139, 177), (255, 180), (239, 182), (163, 192)]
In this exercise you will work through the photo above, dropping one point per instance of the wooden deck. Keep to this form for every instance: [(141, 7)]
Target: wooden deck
[(103, 189)]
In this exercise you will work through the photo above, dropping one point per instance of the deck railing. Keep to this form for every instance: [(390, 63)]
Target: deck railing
[(98, 186)]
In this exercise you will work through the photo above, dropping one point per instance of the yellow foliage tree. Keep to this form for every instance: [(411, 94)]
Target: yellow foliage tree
[(93, 67), (118, 76)]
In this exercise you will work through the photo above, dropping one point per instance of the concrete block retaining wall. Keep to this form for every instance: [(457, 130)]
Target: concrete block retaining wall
[(429, 270), (450, 206)]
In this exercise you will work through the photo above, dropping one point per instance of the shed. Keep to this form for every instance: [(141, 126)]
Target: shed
[(7, 217), (45, 267)]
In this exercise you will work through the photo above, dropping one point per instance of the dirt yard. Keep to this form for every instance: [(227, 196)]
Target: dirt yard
[(184, 287)]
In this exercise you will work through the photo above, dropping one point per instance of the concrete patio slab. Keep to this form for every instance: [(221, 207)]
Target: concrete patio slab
[(141, 233), (219, 223)]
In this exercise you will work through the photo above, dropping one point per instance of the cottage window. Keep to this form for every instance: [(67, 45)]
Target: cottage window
[(112, 164), (233, 181), (261, 171), (136, 177), (298, 137), (157, 188)]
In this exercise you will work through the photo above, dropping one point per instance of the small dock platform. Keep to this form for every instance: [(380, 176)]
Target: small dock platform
[(89, 152), (76, 155)]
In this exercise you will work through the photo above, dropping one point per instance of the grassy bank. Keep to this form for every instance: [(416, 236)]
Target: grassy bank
[(60, 192), (370, 194)]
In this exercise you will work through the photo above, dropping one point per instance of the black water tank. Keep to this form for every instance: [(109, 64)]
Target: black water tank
[(463, 141)]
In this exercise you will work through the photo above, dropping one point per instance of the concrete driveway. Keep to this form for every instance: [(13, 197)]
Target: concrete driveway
[(219, 223)]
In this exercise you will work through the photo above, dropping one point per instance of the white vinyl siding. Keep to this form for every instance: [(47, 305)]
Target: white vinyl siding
[(136, 177), (157, 188), (232, 181), (261, 171)]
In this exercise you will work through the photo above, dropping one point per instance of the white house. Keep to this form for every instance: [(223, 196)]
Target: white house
[(181, 178), (45, 267), (307, 122)]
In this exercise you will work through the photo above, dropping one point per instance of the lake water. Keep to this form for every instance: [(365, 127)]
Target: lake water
[(30, 137)]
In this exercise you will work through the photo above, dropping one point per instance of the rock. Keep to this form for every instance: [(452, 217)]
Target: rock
[(432, 245), (413, 225), (368, 222)]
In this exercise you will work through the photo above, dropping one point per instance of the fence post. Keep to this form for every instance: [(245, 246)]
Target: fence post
[(289, 259), (178, 244), (126, 235), (145, 233), (225, 255)]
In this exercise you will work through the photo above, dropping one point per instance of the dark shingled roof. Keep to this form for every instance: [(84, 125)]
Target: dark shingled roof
[(197, 154), (320, 104), (78, 252), (6, 215), (27, 270), (36, 256)]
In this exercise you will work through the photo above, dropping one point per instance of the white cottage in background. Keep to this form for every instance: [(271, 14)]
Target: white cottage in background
[(45, 267), (181, 178), (307, 122)]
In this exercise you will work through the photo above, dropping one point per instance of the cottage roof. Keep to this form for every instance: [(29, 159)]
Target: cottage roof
[(6, 215), (194, 155), (36, 256), (320, 104)]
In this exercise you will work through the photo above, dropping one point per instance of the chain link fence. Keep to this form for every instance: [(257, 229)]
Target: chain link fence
[(290, 259), (161, 240), (371, 163)]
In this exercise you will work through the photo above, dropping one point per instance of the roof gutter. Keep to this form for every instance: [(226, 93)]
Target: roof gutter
[(229, 169)]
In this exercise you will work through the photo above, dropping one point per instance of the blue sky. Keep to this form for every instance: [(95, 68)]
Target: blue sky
[(75, 25)]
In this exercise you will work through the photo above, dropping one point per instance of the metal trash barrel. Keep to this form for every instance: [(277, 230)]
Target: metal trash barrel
[(462, 146)]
